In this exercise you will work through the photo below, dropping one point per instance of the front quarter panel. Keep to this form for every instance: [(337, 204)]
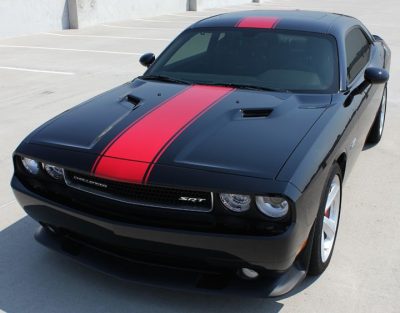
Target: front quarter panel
[(309, 165)]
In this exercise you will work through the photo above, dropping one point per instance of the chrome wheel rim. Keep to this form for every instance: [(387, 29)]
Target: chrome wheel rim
[(382, 113), (331, 218)]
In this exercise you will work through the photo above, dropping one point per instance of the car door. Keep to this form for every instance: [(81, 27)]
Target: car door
[(358, 101)]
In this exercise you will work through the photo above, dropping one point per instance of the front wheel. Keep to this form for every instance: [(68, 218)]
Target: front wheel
[(326, 223)]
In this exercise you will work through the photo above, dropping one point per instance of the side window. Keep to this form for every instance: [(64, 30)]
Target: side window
[(196, 45), (357, 52)]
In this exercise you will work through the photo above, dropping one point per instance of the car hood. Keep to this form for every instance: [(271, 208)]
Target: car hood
[(242, 132)]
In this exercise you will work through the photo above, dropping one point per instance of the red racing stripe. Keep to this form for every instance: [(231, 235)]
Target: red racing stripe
[(131, 156), (258, 22)]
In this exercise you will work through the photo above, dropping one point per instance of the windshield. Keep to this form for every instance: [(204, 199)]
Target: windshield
[(260, 58)]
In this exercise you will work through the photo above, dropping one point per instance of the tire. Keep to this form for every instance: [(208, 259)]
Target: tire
[(328, 215), (376, 131)]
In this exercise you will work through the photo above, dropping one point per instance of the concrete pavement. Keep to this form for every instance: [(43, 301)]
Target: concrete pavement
[(44, 74)]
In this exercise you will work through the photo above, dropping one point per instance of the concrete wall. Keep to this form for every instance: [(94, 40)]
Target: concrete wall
[(20, 17), (90, 12), (198, 5)]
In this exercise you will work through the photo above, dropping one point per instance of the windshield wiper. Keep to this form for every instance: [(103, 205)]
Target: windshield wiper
[(165, 79), (247, 87), (233, 85)]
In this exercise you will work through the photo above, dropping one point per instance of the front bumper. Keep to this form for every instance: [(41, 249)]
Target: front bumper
[(168, 257)]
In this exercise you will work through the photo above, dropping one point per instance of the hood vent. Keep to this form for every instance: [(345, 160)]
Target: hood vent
[(251, 113), (133, 100)]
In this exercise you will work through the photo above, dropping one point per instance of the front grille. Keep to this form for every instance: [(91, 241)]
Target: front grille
[(159, 197)]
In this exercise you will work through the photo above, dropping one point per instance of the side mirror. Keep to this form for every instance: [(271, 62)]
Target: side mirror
[(376, 75), (147, 59)]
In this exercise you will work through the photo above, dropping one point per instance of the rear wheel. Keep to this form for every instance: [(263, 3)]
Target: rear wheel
[(375, 134), (327, 222)]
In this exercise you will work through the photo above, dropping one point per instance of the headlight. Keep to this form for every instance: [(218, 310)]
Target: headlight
[(54, 171), (236, 202), (272, 206), (30, 165)]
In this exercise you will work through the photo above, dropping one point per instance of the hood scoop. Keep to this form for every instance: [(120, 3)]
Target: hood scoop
[(254, 113), (133, 100)]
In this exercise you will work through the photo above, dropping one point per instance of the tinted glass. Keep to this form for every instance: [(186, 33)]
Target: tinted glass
[(283, 60), (196, 45), (357, 52)]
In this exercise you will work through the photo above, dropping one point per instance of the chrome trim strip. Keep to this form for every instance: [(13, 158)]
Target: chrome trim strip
[(71, 184)]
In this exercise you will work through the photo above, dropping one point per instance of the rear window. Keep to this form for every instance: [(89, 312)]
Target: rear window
[(268, 58)]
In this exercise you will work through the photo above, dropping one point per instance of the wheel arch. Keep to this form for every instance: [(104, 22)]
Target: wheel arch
[(342, 161)]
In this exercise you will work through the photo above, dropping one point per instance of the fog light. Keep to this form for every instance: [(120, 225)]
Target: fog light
[(248, 273), (30, 165)]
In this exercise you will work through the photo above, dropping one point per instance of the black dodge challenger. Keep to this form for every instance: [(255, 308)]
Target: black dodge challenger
[(222, 167)]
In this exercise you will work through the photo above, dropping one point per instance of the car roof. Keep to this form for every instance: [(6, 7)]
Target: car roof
[(301, 20)]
